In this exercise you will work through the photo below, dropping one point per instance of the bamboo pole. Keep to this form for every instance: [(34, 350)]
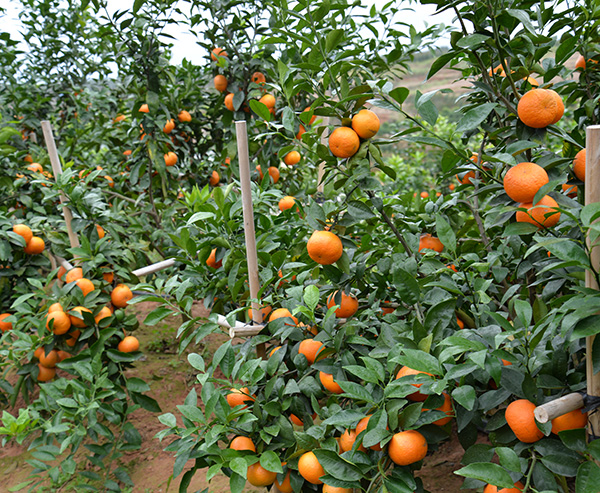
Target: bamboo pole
[(57, 169), (249, 232), (592, 195), (558, 407), (151, 269), (325, 142)]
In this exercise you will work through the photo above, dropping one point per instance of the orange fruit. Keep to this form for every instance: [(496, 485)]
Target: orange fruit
[(63, 355), (283, 313), (329, 384), (61, 322), (23, 231), (522, 182), (85, 285), (55, 307), (111, 182), (570, 421), (214, 179), (265, 311), (144, 108), (268, 100), (38, 352), (446, 407), (129, 344), (313, 118), (258, 476), (258, 78), (335, 489), (221, 83), (35, 246), (579, 165), (285, 486), (104, 313), (109, 277), (344, 142), (407, 447), (460, 323), (347, 440), (365, 123), (310, 349), (547, 206), (324, 247), (35, 167), (121, 295), (74, 274), (242, 443), (362, 426), (170, 158), (45, 374), (348, 304), (61, 272), (570, 190), (119, 118), (237, 397), (28, 159), (428, 242), (292, 158), (464, 178), (297, 421), (494, 489), (520, 419), (286, 203), (211, 261), (580, 63), (74, 337), (310, 468), (229, 102), (75, 322), (217, 52), (301, 131), (184, 116), (406, 371), (100, 231), (539, 108), (5, 326), (169, 126), (274, 350), (498, 70), (49, 360), (273, 173), (424, 195)]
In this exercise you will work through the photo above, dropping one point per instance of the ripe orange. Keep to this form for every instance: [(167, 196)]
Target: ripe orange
[(292, 158), (104, 313), (335, 489), (362, 426), (539, 108), (237, 397), (537, 214), (579, 165), (170, 158), (301, 131), (258, 476), (55, 307), (274, 350), (324, 247), (494, 489), (406, 371), (35, 167), (23, 231), (221, 83), (214, 179), (100, 231), (344, 142), (217, 52), (580, 63), (211, 261), (76, 322), (63, 355), (348, 305), (297, 421), (129, 344), (184, 116), (229, 102), (273, 173), (74, 337), (347, 440), (520, 419), (285, 486), (144, 108), (464, 178), (313, 118), (61, 272), (111, 182), (258, 78), (365, 123), (265, 311), (283, 313), (169, 126), (35, 246), (424, 195), (242, 443), (119, 118), (5, 326), (268, 100), (430, 243), (85, 285), (310, 348), (329, 384), (121, 295), (460, 323), (446, 407), (407, 447), (74, 274), (310, 468), (109, 277), (570, 190), (45, 374), (49, 360), (61, 322), (523, 181), (570, 421), (286, 203)]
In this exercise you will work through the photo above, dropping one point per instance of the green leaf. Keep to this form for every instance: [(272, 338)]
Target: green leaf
[(337, 467), (524, 312), (360, 210), (406, 285), (420, 361), (399, 94), (445, 233), (355, 391), (588, 478), (566, 48), (487, 472), (465, 396), (135, 384), (346, 418), (474, 117), (333, 39), (472, 40), (157, 315), (260, 109), (239, 466), (508, 459), (137, 5), (311, 296), (440, 63), (196, 361), (271, 461), (168, 419)]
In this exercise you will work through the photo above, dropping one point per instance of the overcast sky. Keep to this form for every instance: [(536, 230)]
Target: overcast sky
[(185, 43)]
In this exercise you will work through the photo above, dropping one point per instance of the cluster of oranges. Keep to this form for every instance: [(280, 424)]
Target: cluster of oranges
[(344, 142), (33, 244)]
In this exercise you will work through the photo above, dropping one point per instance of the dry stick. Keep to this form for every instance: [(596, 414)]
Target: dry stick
[(249, 232), (57, 169), (592, 196)]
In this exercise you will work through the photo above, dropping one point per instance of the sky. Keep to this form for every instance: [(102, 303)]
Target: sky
[(184, 44)]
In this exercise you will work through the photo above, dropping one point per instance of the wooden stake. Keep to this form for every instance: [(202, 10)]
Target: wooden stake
[(249, 232), (57, 169), (321, 172), (558, 407), (151, 269), (592, 195)]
